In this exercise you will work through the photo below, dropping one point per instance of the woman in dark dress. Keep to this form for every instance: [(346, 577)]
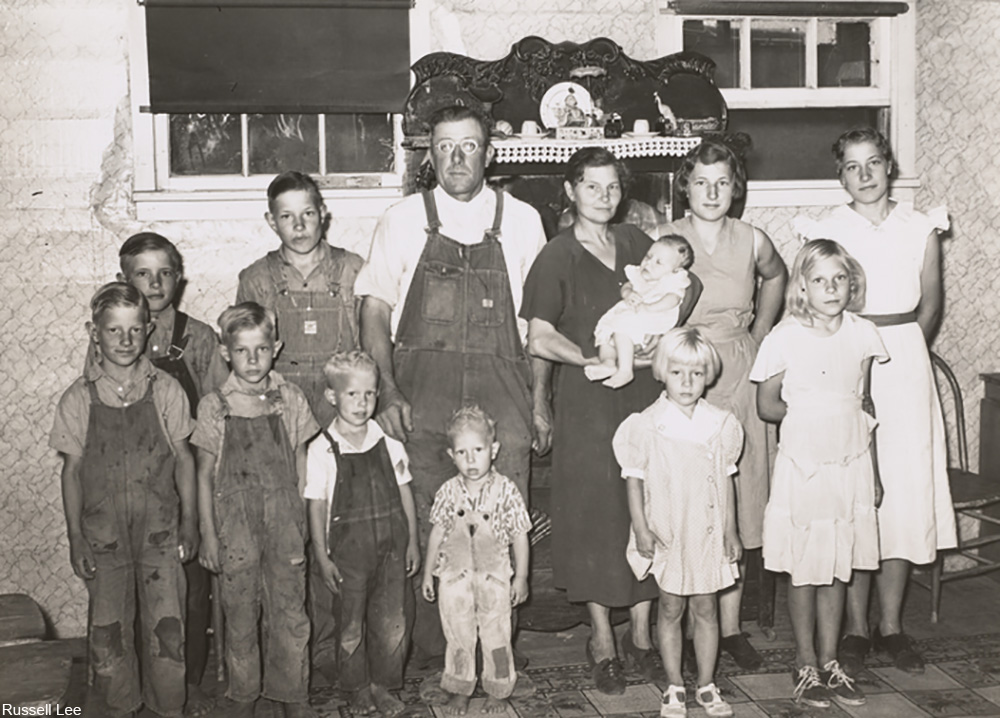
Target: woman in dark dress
[(575, 279)]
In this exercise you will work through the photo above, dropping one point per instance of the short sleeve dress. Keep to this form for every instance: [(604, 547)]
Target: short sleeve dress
[(820, 520), (570, 289), (640, 323), (724, 313), (684, 463), (916, 517)]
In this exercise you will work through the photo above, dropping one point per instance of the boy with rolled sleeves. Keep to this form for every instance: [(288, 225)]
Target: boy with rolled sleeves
[(309, 285), (187, 350), (130, 502), (251, 437)]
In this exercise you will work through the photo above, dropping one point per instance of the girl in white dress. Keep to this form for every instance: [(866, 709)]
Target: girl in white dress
[(812, 374), (899, 251), (649, 307), (678, 457)]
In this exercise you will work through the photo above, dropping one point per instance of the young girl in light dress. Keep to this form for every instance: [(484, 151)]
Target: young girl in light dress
[(899, 249), (813, 376), (649, 307), (678, 457)]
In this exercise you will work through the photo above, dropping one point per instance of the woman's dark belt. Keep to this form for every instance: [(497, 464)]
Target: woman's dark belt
[(890, 320)]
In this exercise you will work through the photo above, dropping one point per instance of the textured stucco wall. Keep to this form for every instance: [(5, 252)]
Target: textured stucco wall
[(65, 183)]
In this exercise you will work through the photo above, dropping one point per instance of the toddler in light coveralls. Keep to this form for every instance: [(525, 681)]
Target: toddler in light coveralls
[(251, 437), (477, 516)]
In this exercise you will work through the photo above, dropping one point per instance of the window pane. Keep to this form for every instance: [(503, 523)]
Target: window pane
[(844, 53), (359, 143), (777, 53), (795, 144), (203, 144), (283, 142), (720, 40)]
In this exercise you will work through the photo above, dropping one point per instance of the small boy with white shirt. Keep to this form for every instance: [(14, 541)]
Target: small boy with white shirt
[(364, 535)]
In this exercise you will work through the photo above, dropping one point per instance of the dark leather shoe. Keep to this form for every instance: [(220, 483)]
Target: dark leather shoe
[(851, 652), (608, 675), (742, 652), (646, 662), (900, 647)]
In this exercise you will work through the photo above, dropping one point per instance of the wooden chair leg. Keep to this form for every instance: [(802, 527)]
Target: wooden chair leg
[(936, 571), (218, 629)]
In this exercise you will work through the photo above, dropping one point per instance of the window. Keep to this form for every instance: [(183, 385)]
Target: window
[(794, 80), (227, 93)]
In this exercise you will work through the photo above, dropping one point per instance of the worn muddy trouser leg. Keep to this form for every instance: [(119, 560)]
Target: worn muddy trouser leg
[(240, 589), (111, 635), (493, 615), (457, 604), (161, 590), (286, 626), (199, 613), (323, 643), (390, 605), (477, 605)]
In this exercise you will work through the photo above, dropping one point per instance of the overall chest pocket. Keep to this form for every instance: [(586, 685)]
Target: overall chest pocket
[(442, 293), (489, 292)]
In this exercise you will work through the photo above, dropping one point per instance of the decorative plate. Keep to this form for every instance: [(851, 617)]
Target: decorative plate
[(565, 104)]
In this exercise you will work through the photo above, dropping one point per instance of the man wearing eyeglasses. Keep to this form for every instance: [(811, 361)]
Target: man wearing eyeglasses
[(441, 291)]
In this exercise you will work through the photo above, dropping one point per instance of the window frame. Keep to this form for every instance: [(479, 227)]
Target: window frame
[(894, 88), (158, 196)]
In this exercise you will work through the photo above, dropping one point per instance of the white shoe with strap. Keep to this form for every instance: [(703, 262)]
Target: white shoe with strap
[(711, 700), (674, 704)]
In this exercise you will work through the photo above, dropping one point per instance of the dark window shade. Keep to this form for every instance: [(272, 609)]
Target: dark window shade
[(295, 56), (843, 8)]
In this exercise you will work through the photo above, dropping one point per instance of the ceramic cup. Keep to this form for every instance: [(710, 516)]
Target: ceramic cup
[(640, 127), (530, 127)]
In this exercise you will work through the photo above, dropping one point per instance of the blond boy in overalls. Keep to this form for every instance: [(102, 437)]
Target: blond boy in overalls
[(477, 517), (251, 437), (130, 501), (364, 535)]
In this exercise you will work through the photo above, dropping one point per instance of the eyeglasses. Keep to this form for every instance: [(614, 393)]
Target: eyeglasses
[(469, 146)]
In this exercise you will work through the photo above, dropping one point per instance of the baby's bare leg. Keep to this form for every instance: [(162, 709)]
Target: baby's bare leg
[(626, 354), (608, 356)]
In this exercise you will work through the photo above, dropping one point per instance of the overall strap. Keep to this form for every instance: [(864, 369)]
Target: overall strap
[(334, 283), (148, 396), (226, 411), (275, 265), (430, 208), (334, 448), (92, 390), (494, 231), (178, 341)]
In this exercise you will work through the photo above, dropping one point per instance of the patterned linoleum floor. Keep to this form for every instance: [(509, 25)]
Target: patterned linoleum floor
[(962, 676), (962, 679)]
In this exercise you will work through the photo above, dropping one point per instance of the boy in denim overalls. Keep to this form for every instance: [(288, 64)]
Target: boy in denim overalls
[(129, 495), (364, 535), (187, 350), (251, 438), (309, 285), (477, 516)]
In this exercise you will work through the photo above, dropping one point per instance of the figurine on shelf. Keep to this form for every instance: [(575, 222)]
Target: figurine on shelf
[(614, 127), (570, 114), (666, 122)]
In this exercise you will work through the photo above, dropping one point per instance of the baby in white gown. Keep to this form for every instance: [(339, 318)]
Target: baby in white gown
[(649, 307)]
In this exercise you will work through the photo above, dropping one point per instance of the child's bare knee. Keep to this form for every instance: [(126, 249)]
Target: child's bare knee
[(704, 608), (670, 608)]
